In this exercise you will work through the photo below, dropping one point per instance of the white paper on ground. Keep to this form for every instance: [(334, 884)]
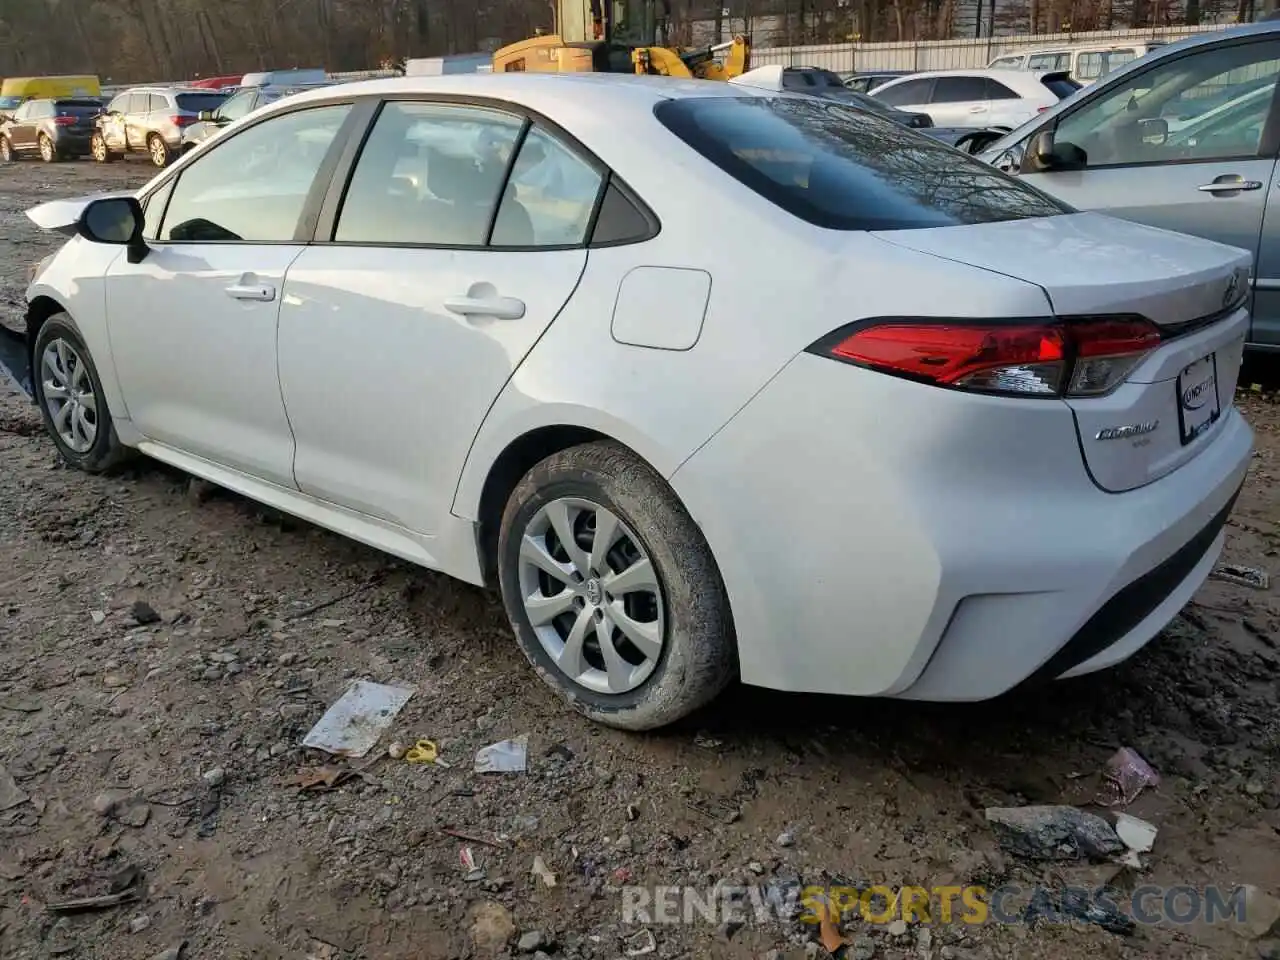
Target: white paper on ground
[(355, 722)]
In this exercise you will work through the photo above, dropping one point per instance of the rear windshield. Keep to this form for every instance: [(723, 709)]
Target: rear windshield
[(846, 169), (1061, 87), (77, 108), (195, 102)]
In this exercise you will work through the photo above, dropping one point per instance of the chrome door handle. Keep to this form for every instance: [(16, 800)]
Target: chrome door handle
[(1230, 186), (977, 109), (255, 291), (503, 308)]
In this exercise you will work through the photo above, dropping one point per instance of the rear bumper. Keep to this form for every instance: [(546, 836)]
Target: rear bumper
[(74, 142), (880, 537)]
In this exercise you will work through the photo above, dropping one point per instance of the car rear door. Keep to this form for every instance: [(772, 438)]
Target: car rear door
[(404, 320), (1209, 178), (193, 326)]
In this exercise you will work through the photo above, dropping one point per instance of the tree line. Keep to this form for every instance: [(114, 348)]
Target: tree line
[(128, 41)]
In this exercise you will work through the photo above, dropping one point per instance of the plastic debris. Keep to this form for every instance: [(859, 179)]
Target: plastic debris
[(124, 887), (1053, 833), (1078, 905), (1128, 774), (543, 872), (425, 751), (1244, 576), (506, 756), (1138, 835), (353, 724), (641, 943)]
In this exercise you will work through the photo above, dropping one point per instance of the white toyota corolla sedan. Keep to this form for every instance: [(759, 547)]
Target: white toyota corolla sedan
[(710, 381)]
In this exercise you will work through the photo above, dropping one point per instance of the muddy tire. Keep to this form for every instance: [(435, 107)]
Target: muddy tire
[(69, 393), (7, 153), (48, 152), (650, 602)]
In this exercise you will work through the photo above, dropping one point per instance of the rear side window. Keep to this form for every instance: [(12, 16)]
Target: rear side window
[(998, 91), (908, 92), (550, 197), (846, 169), (960, 89), (156, 103)]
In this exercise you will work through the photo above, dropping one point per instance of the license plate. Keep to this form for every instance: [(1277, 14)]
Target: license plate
[(1198, 397)]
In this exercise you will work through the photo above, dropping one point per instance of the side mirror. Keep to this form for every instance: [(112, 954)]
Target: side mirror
[(115, 220), (1154, 131), (1045, 155)]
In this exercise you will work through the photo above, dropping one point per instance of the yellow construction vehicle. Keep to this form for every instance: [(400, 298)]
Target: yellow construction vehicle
[(620, 36)]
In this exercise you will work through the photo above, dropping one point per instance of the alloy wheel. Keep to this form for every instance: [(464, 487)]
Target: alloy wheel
[(67, 391), (6, 149), (159, 153), (46, 149), (99, 147), (592, 595)]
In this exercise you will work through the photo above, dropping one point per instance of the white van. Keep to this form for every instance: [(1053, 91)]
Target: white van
[(283, 78), (1084, 63)]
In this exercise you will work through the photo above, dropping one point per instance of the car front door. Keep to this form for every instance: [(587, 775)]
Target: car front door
[(402, 324), (1209, 177), (960, 102), (911, 95), (193, 326)]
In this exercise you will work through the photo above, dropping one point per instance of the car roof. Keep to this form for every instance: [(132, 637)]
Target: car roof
[(556, 94), (1025, 81)]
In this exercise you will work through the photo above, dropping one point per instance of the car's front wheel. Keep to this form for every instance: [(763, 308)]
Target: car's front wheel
[(7, 154), (98, 148), (612, 590), (69, 392)]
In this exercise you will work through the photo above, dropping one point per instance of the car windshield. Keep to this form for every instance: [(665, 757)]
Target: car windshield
[(195, 102), (847, 169)]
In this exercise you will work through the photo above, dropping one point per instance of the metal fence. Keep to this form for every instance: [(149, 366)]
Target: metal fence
[(952, 54)]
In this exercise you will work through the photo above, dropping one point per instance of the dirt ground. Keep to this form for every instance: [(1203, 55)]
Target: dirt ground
[(156, 756)]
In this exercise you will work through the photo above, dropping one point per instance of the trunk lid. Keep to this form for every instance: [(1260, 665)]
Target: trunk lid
[(1171, 405)]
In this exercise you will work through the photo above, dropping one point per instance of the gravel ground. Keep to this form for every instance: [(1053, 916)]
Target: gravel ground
[(160, 753)]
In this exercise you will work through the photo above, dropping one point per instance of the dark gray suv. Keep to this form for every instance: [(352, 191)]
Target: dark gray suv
[(150, 120)]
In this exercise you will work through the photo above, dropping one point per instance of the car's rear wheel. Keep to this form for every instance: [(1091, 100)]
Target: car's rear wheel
[(7, 154), (69, 393), (612, 590), (98, 149), (48, 152), (158, 150)]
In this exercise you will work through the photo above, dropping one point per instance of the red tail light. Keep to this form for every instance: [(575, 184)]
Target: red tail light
[(182, 120), (64, 121), (1046, 358)]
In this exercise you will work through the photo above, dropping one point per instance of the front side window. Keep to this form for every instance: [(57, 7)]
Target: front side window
[(908, 92), (251, 187), (23, 113), (1043, 61), (1178, 110), (119, 105), (238, 106), (429, 174), (846, 169)]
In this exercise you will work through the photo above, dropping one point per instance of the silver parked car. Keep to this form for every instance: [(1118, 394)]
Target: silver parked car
[(1185, 138)]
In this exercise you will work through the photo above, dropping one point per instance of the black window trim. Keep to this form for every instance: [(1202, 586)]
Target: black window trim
[(1268, 144), (319, 211), (344, 169)]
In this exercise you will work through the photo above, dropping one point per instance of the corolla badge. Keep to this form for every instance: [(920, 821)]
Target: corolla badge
[(1195, 397), (1127, 431)]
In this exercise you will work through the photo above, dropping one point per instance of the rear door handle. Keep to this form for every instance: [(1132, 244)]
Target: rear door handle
[(1230, 186), (979, 108), (252, 291), (503, 308)]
